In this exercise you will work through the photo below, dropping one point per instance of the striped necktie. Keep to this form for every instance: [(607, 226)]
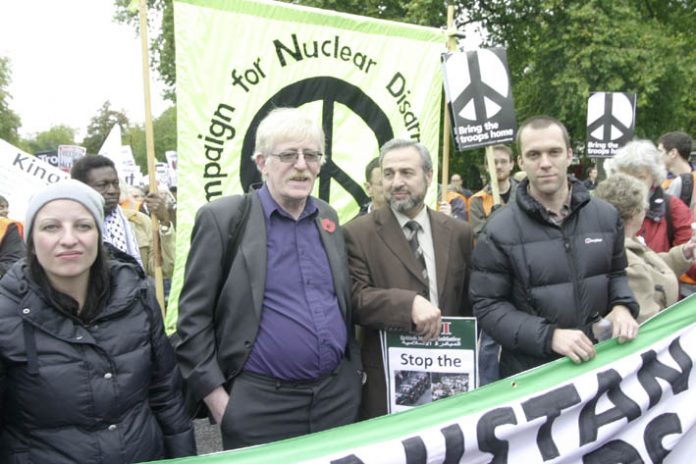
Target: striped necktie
[(412, 228)]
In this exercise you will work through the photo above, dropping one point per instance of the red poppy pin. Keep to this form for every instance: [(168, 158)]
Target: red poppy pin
[(328, 225)]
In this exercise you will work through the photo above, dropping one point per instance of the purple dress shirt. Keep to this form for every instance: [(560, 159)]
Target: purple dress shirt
[(302, 334)]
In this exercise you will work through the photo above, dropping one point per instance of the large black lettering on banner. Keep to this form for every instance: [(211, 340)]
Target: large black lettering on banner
[(656, 430), (330, 91), (621, 452), (550, 405), (352, 459), (454, 443), (624, 407), (653, 369), (613, 452), (415, 450), (485, 429)]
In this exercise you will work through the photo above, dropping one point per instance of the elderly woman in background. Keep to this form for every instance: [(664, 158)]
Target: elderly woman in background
[(667, 220), (651, 276), (86, 373)]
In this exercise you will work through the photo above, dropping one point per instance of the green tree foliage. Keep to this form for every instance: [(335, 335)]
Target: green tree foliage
[(560, 51), (162, 51), (50, 139), (100, 126), (165, 132), (9, 120), (164, 128), (422, 12)]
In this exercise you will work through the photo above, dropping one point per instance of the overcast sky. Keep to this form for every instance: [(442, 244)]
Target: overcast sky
[(67, 58)]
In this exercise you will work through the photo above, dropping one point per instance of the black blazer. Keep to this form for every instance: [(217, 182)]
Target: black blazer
[(218, 320)]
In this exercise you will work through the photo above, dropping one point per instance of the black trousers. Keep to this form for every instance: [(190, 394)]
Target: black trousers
[(262, 410)]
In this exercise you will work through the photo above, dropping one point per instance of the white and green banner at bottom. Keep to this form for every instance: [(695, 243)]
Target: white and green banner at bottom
[(634, 403)]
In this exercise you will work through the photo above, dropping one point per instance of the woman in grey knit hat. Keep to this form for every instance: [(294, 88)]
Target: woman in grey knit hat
[(86, 373)]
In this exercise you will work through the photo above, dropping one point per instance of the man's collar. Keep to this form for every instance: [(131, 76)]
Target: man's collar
[(269, 205), (566, 202), (421, 218), (114, 213)]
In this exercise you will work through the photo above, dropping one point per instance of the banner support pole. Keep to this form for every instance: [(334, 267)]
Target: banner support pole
[(446, 137), (493, 178), (150, 150)]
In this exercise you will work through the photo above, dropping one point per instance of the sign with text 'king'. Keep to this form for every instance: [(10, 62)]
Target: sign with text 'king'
[(611, 120), (479, 97), (22, 175)]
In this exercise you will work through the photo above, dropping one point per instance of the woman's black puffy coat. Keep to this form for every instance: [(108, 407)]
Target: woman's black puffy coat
[(530, 277), (109, 392)]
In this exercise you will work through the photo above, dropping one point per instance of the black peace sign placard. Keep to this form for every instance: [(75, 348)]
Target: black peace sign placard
[(479, 97), (611, 118), (328, 90)]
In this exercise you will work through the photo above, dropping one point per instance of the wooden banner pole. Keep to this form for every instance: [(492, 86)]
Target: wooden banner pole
[(446, 136), (150, 150), (490, 161)]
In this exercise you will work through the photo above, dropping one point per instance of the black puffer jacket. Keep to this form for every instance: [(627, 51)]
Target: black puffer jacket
[(529, 276), (109, 392)]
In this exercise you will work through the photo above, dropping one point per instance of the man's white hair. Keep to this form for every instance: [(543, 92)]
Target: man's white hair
[(283, 124)]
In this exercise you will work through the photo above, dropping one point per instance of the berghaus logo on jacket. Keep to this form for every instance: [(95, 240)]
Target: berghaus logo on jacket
[(590, 240)]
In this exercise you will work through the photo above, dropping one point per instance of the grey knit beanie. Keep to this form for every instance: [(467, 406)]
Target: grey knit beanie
[(69, 189)]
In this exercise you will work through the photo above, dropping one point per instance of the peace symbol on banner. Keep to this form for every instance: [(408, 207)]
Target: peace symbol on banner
[(610, 116), (487, 87), (330, 91)]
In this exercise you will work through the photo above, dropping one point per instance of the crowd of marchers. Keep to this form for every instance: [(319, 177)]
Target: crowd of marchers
[(281, 308)]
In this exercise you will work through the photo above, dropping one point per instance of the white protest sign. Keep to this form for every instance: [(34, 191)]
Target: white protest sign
[(121, 155), (479, 96), (22, 174), (68, 155), (171, 157), (162, 173), (610, 122)]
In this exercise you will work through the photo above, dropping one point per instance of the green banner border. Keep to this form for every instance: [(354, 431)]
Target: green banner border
[(386, 428), (316, 16)]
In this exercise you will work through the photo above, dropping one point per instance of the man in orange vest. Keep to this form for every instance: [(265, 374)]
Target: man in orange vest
[(5, 213), (11, 244), (11, 236), (4, 207), (481, 203), (458, 199)]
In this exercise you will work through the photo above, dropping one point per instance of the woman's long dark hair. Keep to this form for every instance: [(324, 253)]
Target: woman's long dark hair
[(98, 287)]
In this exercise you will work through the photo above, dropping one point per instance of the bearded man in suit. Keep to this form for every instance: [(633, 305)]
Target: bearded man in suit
[(409, 265)]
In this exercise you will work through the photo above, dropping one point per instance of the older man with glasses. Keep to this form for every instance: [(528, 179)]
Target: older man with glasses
[(266, 338)]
